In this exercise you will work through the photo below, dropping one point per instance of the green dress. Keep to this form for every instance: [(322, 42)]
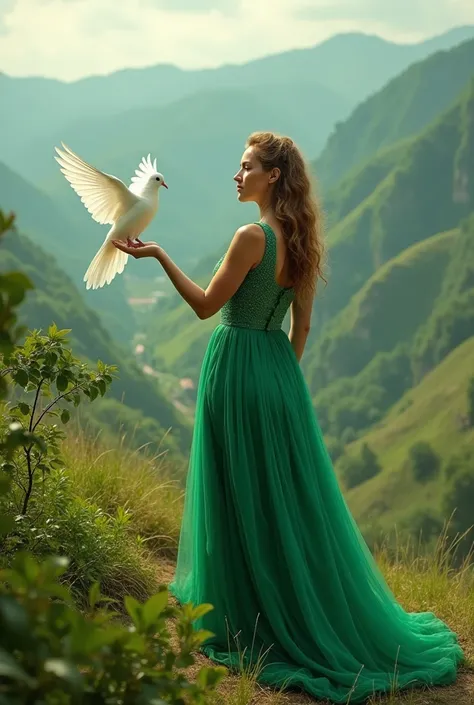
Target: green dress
[(267, 537)]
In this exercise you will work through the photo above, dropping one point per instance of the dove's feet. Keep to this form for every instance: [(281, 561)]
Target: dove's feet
[(135, 243)]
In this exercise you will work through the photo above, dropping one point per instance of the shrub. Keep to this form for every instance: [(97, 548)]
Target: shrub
[(470, 401), (423, 524), (424, 461), (356, 470), (459, 497), (52, 654)]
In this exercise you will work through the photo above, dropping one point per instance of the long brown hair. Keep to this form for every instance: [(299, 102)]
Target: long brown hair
[(296, 208)]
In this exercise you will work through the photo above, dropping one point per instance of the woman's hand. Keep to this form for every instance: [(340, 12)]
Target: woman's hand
[(141, 249)]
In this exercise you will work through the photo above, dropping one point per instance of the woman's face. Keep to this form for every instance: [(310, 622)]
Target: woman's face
[(253, 183)]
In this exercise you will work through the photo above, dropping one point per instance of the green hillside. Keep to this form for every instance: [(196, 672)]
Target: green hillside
[(39, 215), (411, 313), (133, 397), (400, 109), (432, 412), (387, 310), (423, 193)]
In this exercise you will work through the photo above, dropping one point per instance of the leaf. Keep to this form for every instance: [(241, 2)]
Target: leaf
[(65, 416), (6, 524), (154, 607), (9, 668), (94, 594), (201, 610), (14, 618), (21, 377), (16, 284), (24, 408), (184, 660), (61, 383), (93, 392), (134, 609)]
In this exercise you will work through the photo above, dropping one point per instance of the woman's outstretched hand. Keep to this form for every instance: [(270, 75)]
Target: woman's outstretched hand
[(139, 250)]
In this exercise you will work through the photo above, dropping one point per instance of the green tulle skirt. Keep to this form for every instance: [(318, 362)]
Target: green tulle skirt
[(268, 539)]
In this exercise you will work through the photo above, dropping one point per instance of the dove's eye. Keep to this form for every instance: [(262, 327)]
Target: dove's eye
[(158, 178)]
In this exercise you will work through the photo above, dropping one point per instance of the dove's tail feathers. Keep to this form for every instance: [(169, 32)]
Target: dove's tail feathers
[(108, 262)]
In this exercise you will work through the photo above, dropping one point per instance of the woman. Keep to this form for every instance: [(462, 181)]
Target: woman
[(267, 537)]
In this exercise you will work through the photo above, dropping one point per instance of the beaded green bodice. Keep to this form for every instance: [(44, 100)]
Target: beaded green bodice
[(259, 302)]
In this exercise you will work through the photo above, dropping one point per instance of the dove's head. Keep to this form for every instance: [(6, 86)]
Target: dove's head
[(156, 180), (147, 179)]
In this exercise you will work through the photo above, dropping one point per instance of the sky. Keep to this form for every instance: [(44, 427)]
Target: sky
[(69, 39)]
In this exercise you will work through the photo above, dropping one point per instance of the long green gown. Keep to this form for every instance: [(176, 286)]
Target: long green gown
[(267, 537)]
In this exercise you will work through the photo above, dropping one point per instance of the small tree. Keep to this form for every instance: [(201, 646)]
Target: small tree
[(458, 503), (423, 524), (369, 461), (355, 470), (46, 370), (424, 461), (470, 401)]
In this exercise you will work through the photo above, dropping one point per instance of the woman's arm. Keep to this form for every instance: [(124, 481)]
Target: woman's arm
[(244, 251), (300, 325)]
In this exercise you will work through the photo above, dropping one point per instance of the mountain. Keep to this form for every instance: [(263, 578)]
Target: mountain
[(38, 215), (347, 67), (424, 188), (388, 309), (405, 320), (400, 109), (133, 394)]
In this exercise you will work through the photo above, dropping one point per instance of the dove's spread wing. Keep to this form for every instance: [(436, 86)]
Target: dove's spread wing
[(105, 197), (143, 173)]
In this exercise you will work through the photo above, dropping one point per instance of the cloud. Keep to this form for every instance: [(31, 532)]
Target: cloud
[(69, 39), (402, 15), (6, 6), (194, 6)]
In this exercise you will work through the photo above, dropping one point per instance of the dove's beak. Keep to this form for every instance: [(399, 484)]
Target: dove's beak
[(165, 184)]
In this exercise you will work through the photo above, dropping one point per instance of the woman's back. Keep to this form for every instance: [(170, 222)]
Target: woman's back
[(260, 302)]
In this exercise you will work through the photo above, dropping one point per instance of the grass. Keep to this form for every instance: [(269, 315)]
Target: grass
[(119, 477)]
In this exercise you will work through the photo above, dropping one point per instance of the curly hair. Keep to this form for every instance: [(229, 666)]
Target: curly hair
[(296, 208)]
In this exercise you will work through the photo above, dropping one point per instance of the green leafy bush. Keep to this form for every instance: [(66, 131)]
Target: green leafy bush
[(425, 463), (470, 401), (355, 470), (51, 654)]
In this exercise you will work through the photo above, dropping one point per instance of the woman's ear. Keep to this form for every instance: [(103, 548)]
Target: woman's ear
[(274, 175)]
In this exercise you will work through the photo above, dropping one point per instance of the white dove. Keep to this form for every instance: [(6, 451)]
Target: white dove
[(108, 200)]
